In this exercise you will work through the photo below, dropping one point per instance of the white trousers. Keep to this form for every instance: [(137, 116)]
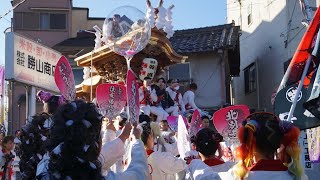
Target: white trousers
[(158, 111), (174, 110)]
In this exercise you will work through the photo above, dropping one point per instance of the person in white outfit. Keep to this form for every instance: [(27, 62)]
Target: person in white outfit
[(75, 150), (207, 143), (188, 98), (162, 165), (260, 137), (147, 97), (176, 97)]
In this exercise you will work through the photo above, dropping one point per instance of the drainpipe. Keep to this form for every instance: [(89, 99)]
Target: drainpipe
[(257, 84)]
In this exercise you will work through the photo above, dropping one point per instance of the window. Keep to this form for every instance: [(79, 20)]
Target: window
[(58, 21), (250, 82), (30, 21), (44, 21), (40, 21), (250, 13), (17, 23), (181, 72)]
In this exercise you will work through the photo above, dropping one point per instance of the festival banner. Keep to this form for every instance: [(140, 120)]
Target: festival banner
[(305, 151), (228, 120), (173, 122), (30, 62), (283, 102), (308, 48), (2, 94), (111, 98), (183, 142), (64, 79), (196, 122), (313, 137), (132, 97), (148, 68)]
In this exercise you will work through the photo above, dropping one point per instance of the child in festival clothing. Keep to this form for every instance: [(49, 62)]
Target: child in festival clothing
[(260, 137), (166, 133), (207, 143), (205, 122), (6, 158), (162, 165), (75, 150)]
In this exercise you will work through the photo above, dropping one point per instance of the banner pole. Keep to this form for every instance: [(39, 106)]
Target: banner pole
[(305, 70)]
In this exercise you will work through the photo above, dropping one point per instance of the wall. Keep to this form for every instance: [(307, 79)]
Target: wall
[(80, 21), (207, 71), (48, 37), (269, 40)]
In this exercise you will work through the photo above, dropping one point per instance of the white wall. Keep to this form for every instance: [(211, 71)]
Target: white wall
[(263, 42), (207, 71)]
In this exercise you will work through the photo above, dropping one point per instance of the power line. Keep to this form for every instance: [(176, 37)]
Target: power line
[(12, 9)]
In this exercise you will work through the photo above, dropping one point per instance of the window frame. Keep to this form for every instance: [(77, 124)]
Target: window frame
[(39, 28), (250, 79)]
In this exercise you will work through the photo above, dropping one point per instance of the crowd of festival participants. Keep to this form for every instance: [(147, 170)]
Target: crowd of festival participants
[(72, 140)]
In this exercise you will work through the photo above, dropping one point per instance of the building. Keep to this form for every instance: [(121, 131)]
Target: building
[(270, 33), (213, 57), (49, 23)]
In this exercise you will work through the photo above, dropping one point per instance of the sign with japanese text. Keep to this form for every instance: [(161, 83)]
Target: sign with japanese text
[(196, 122), (228, 120), (183, 142), (148, 68), (132, 97), (173, 122), (64, 79), (111, 98), (313, 136), (30, 62), (304, 153)]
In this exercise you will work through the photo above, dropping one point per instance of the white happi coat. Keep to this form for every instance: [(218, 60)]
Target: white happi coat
[(147, 108), (188, 100), (198, 170), (179, 101), (138, 168), (261, 175), (164, 166)]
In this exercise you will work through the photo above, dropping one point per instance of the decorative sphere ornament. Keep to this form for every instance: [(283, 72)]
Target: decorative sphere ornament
[(126, 31)]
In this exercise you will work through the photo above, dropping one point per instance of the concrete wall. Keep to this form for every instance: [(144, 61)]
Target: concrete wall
[(207, 71), (80, 21), (269, 40), (47, 37)]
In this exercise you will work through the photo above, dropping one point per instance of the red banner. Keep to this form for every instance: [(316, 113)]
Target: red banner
[(64, 79), (132, 97), (173, 122), (228, 120), (196, 122), (111, 98)]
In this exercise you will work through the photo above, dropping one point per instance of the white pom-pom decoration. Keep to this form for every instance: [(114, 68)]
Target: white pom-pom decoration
[(86, 123), (86, 147), (44, 138), (69, 123), (93, 166), (57, 150), (80, 160)]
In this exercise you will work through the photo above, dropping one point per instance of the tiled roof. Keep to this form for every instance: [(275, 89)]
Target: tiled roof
[(205, 39), (196, 40)]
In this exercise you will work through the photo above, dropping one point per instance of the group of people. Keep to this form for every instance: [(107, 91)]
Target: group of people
[(162, 100), (72, 140)]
